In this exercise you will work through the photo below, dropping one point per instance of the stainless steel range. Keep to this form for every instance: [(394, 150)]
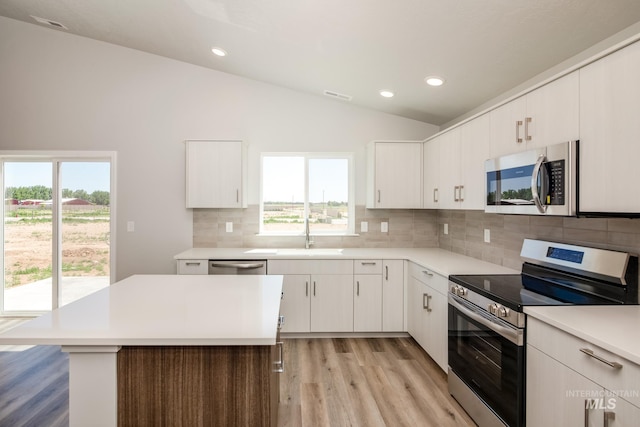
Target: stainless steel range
[(487, 326)]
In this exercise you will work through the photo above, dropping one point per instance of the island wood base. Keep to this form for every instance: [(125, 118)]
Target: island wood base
[(197, 386)]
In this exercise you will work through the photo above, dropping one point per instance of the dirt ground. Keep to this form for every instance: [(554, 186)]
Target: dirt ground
[(28, 250)]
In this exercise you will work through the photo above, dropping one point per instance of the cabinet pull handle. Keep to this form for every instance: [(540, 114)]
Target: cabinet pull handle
[(461, 194), (518, 124), (609, 416), (358, 288), (314, 288), (378, 196), (435, 195), (455, 193), (192, 263), (280, 321), (590, 353), (306, 289), (426, 306), (427, 272), (587, 408), (279, 364), (237, 196), (527, 120), (368, 263), (386, 272)]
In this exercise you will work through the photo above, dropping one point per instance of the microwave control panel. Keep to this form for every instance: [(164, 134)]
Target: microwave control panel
[(556, 174)]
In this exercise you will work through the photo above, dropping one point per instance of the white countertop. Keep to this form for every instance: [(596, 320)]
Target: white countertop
[(440, 261), (613, 328), (163, 310)]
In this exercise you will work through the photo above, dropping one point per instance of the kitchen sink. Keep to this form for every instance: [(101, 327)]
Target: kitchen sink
[(310, 252)]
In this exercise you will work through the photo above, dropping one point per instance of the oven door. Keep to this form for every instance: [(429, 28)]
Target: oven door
[(487, 355)]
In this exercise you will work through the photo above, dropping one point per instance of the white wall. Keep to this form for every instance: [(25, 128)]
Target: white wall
[(63, 92)]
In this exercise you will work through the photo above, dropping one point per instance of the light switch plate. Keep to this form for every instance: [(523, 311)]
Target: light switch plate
[(446, 229), (364, 226), (487, 235), (384, 227), (229, 227), (131, 226)]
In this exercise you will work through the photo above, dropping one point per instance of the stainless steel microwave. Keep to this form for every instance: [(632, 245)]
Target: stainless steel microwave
[(541, 181)]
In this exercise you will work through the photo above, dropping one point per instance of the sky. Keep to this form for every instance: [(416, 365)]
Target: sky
[(88, 176), (283, 179)]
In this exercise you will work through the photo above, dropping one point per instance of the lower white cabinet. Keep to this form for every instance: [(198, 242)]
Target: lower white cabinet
[(367, 303), (567, 387), (427, 316), (193, 266), (393, 295), (295, 305), (332, 303)]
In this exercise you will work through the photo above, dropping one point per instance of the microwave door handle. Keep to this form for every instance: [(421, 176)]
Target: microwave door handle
[(534, 184)]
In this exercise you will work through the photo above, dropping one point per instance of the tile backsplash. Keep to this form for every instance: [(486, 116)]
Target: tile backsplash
[(425, 228)]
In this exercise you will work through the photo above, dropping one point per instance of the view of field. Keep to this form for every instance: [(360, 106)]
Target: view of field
[(28, 243)]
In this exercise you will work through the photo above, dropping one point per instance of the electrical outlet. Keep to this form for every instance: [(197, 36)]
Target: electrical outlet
[(131, 226), (487, 235), (446, 229), (384, 227), (229, 227), (364, 226)]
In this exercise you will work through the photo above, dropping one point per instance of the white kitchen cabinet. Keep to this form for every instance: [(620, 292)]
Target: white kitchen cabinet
[(457, 177), (367, 303), (393, 295), (545, 116), (193, 266), (609, 129), (565, 386), (332, 303), (317, 294), (428, 308), (216, 174), (394, 175), (295, 305), (431, 173)]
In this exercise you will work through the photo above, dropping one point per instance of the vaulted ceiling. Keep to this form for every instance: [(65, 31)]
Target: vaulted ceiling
[(354, 47)]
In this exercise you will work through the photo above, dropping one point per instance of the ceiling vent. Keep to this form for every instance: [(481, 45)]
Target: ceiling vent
[(337, 95), (49, 22)]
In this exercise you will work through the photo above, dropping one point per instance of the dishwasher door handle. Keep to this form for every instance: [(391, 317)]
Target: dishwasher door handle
[(242, 266)]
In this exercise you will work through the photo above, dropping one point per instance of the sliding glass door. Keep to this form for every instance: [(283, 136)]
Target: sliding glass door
[(56, 231)]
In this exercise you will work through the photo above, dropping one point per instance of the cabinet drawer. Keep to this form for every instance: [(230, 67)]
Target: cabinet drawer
[(367, 266), (565, 348), (193, 266), (283, 266), (429, 277)]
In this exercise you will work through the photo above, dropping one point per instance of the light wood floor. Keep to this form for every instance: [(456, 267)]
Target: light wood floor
[(327, 382)]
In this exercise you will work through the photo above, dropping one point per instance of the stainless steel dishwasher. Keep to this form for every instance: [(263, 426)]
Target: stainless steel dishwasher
[(244, 266)]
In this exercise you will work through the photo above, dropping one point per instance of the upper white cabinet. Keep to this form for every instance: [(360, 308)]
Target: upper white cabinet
[(545, 116), (216, 174), (609, 129), (394, 177), (454, 166), (431, 173)]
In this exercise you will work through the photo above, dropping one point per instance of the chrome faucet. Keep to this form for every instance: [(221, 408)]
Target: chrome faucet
[(307, 237)]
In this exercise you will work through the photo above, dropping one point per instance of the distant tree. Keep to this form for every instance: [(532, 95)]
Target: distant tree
[(81, 194), (39, 192), (66, 193), (99, 198)]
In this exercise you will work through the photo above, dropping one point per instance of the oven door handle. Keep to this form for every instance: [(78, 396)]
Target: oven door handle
[(512, 334)]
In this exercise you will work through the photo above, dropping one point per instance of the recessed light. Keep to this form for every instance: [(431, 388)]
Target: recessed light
[(218, 51), (386, 93), (434, 81)]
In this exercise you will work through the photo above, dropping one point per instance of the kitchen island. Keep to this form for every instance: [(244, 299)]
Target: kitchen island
[(168, 350)]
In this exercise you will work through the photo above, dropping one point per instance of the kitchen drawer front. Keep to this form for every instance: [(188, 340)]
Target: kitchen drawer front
[(429, 277), (320, 266), (367, 266), (193, 266), (565, 348)]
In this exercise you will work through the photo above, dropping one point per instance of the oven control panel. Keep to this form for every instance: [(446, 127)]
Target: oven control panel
[(488, 306)]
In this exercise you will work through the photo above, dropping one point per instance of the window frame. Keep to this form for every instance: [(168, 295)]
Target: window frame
[(350, 230)]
